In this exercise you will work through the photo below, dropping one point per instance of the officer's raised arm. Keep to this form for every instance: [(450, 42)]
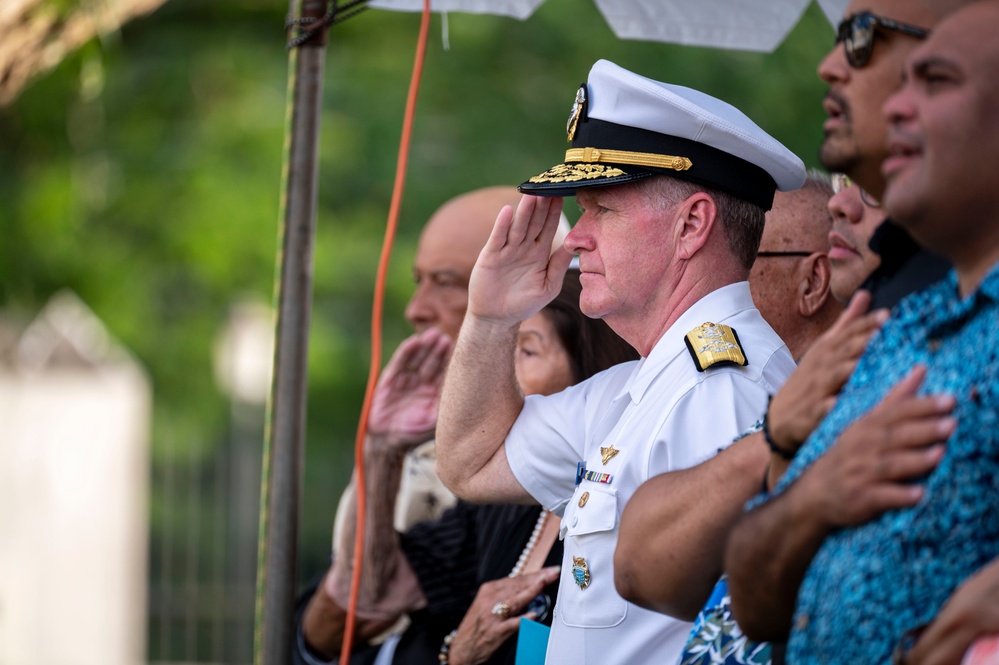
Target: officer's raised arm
[(515, 276)]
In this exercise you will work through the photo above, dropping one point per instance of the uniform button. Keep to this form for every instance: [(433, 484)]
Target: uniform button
[(801, 622), (933, 345), (583, 499)]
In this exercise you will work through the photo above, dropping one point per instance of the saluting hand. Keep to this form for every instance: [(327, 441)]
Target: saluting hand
[(517, 274)]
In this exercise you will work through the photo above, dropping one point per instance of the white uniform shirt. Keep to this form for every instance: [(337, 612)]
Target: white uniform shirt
[(662, 414)]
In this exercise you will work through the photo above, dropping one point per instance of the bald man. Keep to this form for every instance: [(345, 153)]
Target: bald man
[(791, 277), (449, 244), (407, 490)]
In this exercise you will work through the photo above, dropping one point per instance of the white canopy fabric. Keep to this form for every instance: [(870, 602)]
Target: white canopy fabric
[(750, 25)]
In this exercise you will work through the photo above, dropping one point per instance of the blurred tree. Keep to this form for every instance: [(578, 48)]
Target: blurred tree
[(38, 34)]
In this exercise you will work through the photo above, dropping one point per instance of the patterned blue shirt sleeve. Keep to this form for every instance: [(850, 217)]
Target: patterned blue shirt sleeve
[(868, 585), (716, 638)]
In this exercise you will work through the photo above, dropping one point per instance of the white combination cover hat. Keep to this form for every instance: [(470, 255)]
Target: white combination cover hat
[(624, 127)]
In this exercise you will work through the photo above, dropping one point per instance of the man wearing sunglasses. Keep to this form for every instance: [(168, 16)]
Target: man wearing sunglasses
[(862, 70), (772, 547)]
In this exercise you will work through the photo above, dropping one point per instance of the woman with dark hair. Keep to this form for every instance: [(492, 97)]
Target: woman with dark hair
[(481, 567)]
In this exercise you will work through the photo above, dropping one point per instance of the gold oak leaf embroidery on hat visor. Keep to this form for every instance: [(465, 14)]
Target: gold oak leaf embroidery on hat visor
[(581, 164), (577, 172)]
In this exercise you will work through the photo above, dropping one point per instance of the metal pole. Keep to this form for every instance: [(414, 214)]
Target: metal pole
[(285, 434)]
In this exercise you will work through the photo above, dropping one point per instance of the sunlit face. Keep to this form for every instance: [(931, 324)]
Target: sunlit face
[(855, 129), (441, 295), (543, 364), (624, 247), (943, 136), (851, 260)]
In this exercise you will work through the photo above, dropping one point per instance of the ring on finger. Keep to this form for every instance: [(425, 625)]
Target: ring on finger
[(501, 610)]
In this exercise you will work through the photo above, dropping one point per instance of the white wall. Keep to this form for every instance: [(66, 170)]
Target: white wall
[(74, 482)]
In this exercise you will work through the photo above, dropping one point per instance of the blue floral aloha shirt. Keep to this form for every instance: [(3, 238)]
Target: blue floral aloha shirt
[(868, 585), (716, 638)]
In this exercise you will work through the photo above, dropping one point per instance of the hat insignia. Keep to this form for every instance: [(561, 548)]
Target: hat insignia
[(578, 105), (713, 344)]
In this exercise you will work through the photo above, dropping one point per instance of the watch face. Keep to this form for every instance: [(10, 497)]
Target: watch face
[(541, 605)]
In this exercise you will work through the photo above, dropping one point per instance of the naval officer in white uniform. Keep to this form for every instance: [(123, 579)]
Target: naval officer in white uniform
[(673, 185)]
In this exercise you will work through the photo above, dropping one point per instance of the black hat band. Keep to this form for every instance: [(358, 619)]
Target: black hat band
[(638, 153)]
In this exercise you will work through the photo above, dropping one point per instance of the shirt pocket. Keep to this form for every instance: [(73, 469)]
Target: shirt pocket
[(590, 534)]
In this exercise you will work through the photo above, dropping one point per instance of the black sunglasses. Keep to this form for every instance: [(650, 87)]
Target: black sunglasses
[(857, 34)]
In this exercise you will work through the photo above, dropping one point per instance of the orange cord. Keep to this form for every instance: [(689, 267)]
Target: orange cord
[(376, 324)]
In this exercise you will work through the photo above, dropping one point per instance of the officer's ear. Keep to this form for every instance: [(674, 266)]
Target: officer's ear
[(695, 220)]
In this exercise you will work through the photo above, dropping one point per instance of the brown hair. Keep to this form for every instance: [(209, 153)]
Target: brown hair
[(591, 344)]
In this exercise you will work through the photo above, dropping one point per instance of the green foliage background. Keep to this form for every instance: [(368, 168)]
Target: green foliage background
[(144, 174)]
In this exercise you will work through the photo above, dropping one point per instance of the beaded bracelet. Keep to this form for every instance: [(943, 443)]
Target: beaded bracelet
[(774, 448), (443, 655)]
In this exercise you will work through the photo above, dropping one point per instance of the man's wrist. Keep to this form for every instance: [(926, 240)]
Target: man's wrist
[(384, 448), (321, 626), (778, 448), (401, 592), (490, 327), (305, 652), (804, 506)]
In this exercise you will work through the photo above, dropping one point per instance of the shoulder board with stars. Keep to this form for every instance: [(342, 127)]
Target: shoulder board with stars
[(714, 344)]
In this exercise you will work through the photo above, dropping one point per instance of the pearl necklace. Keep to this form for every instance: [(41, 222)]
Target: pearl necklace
[(531, 542)]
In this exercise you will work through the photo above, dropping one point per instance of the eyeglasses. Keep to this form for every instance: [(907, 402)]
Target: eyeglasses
[(841, 181), (857, 34), (759, 254)]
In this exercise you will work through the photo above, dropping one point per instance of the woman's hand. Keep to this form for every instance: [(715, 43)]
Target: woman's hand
[(482, 631)]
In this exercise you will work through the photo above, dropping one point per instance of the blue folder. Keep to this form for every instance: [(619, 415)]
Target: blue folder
[(532, 642)]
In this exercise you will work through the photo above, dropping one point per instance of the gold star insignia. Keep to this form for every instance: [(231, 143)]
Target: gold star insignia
[(607, 453)]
